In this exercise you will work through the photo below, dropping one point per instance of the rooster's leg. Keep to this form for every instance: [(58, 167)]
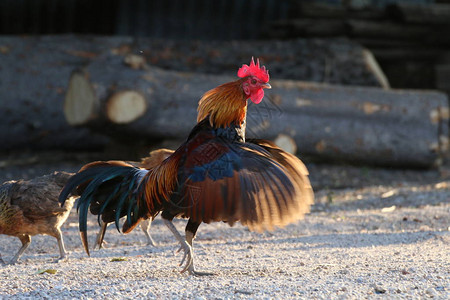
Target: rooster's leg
[(191, 231), (26, 241), (62, 249), (145, 226), (184, 245)]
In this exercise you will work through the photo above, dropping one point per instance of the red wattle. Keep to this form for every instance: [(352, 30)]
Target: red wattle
[(257, 96)]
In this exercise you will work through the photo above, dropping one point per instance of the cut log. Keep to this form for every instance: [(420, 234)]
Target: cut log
[(366, 125), (437, 13), (386, 29), (307, 27), (361, 29), (442, 74), (33, 81), (81, 103), (298, 59), (396, 54), (355, 124), (286, 143), (323, 10), (125, 107), (34, 71)]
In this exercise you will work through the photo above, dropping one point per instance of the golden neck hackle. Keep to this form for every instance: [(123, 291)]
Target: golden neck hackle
[(225, 105)]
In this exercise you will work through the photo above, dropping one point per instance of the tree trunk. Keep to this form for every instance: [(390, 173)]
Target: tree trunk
[(354, 124)]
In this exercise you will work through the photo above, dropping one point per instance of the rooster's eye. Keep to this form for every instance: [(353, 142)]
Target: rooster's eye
[(253, 81)]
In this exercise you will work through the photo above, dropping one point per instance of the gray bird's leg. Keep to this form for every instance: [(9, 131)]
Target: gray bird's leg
[(62, 249), (26, 241), (145, 226)]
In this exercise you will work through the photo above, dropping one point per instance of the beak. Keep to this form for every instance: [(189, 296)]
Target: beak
[(266, 86)]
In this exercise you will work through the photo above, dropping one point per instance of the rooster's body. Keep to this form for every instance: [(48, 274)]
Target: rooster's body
[(31, 207), (215, 175)]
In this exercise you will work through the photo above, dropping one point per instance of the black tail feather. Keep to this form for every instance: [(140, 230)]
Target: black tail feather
[(109, 190)]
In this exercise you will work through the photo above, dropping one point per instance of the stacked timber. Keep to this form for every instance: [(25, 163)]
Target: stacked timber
[(409, 40), (353, 124), (65, 92), (34, 72)]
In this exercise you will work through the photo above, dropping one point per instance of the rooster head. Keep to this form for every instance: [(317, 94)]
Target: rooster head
[(256, 79)]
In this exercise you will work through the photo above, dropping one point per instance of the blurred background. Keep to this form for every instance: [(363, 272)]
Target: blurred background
[(360, 93), (409, 38), (347, 59)]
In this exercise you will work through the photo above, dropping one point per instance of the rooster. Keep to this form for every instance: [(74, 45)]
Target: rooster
[(31, 207), (215, 175)]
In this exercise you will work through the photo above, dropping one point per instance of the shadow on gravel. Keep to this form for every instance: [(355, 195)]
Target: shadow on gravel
[(347, 240), (356, 240), (368, 200)]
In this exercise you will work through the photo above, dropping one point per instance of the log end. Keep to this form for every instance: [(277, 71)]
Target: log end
[(286, 143), (125, 107), (373, 65), (135, 61), (81, 103)]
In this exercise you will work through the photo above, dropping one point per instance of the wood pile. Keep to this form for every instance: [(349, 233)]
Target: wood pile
[(35, 70), (354, 124), (66, 92), (411, 41)]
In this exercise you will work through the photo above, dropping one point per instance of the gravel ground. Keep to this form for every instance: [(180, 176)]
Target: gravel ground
[(374, 233)]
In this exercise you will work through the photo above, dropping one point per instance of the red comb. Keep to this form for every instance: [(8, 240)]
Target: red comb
[(254, 70)]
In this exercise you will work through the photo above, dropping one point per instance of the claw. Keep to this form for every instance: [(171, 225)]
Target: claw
[(187, 257), (192, 271), (61, 259), (151, 242)]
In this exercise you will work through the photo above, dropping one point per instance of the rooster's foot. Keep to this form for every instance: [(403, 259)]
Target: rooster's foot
[(61, 259), (197, 273), (187, 257), (151, 242)]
